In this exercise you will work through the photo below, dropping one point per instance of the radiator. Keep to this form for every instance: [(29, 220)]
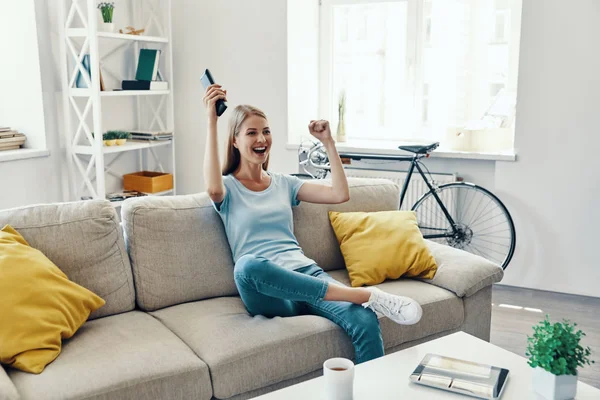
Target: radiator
[(415, 190)]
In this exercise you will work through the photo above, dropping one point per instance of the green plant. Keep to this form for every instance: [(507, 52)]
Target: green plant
[(342, 104), (121, 134), (109, 135), (555, 347), (106, 9)]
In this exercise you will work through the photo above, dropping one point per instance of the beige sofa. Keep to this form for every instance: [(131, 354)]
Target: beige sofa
[(173, 326)]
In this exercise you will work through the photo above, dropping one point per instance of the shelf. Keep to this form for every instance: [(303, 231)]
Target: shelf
[(88, 109), (128, 146), (21, 154), (118, 203), (78, 92), (83, 32)]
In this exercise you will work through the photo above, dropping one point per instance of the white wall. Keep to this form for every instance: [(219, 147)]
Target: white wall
[(31, 105), (243, 43), (553, 190)]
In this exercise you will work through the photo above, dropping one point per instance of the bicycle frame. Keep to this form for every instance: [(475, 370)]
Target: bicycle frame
[(413, 163), (316, 157)]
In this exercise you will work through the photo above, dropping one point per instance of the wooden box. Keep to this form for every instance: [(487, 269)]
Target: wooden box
[(148, 181)]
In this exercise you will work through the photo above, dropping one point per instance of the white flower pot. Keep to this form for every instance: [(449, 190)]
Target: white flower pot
[(554, 387), (107, 27)]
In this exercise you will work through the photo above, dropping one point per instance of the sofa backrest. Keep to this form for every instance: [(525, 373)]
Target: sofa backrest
[(179, 251), (85, 241)]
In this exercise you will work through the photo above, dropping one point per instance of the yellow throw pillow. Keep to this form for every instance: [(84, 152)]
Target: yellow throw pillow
[(382, 245), (39, 305)]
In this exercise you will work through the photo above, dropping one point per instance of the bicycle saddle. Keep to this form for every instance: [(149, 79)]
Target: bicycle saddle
[(420, 149)]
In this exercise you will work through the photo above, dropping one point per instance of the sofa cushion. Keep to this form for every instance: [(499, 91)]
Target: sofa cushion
[(382, 245), (40, 305), (84, 240), (442, 310), (124, 356), (8, 391), (461, 272), (179, 251), (245, 353)]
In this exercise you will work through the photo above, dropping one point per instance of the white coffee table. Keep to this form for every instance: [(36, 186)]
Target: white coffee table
[(387, 377)]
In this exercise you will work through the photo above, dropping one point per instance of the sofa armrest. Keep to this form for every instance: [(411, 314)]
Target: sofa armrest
[(461, 272), (8, 391)]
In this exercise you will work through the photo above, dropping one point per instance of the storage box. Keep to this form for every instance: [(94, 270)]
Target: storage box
[(148, 181)]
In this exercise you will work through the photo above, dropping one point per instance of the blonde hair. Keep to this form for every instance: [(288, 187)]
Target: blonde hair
[(232, 155)]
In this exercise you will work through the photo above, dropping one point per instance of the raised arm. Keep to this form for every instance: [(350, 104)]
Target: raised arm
[(338, 192), (213, 179)]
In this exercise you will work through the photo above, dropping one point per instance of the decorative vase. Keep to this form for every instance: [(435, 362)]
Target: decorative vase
[(554, 387), (341, 130), (110, 142), (107, 27), (121, 142)]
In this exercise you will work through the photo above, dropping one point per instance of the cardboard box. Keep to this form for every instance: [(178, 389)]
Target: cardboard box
[(148, 181)]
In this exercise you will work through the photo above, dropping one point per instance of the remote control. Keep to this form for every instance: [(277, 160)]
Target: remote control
[(208, 80)]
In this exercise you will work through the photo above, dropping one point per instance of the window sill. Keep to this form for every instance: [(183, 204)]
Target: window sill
[(21, 154), (383, 147)]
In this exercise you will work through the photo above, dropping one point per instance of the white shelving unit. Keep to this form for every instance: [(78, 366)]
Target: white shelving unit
[(90, 161)]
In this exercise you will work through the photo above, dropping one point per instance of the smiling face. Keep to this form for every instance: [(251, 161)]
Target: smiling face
[(254, 140)]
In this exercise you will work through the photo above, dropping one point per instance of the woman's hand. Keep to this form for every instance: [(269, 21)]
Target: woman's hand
[(320, 130), (213, 93)]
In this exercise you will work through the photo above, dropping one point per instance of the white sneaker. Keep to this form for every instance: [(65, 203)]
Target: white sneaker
[(402, 310)]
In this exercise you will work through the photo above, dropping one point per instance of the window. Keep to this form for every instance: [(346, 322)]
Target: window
[(413, 69)]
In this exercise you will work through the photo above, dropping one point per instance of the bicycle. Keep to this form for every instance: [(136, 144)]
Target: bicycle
[(444, 212)]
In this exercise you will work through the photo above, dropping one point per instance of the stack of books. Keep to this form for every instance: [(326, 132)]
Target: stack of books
[(147, 76), (126, 194), (11, 139), (151, 135)]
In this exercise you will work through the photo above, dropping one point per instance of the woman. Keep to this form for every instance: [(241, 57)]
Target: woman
[(272, 274)]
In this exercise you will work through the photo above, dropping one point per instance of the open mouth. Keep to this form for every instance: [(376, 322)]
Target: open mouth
[(260, 150)]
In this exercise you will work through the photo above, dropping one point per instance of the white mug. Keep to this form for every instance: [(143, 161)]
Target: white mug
[(339, 379)]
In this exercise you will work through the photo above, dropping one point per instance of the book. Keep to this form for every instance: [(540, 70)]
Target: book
[(80, 82), (126, 194), (144, 85), (151, 133), (147, 68), (146, 139), (11, 140)]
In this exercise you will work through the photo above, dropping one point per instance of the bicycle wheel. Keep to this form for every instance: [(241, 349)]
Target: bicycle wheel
[(482, 224)]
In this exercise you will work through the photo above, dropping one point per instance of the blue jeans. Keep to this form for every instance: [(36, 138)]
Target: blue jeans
[(270, 290)]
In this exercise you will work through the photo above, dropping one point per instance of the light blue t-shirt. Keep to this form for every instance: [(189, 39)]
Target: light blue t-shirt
[(261, 223)]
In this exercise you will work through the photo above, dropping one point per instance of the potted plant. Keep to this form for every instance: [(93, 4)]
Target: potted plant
[(106, 9), (341, 129), (555, 353), (109, 138), (121, 137)]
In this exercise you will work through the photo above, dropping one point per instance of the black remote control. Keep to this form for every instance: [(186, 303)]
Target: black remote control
[(208, 80)]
